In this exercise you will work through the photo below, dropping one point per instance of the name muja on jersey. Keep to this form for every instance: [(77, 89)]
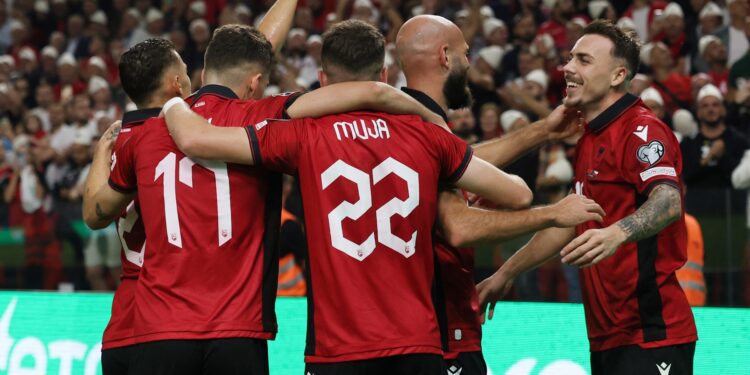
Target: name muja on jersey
[(362, 129)]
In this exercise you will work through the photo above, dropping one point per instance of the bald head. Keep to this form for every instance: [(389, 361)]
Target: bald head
[(422, 39)]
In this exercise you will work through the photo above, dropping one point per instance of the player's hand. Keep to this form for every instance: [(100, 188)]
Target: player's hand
[(492, 289), (108, 138), (593, 246), (563, 123), (576, 209)]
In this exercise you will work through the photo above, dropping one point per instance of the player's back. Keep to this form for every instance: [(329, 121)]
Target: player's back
[(119, 330), (369, 188), (211, 269)]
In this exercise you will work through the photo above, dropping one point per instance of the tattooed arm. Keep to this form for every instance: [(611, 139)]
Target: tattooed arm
[(661, 209)]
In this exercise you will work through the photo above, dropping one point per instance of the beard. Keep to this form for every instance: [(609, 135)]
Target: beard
[(456, 89), (714, 123)]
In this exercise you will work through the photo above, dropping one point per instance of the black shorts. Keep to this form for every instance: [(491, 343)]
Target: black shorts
[(467, 363), (116, 361), (195, 357), (634, 360), (408, 364)]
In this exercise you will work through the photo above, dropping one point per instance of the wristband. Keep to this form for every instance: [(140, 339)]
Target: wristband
[(170, 103)]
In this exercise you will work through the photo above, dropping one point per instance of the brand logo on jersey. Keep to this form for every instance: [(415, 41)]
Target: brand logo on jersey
[(650, 153), (642, 132), (358, 129), (658, 171), (455, 370), (199, 104), (261, 125), (664, 368), (592, 174)]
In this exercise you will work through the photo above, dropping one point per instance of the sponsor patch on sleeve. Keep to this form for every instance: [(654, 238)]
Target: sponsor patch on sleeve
[(650, 153), (658, 171)]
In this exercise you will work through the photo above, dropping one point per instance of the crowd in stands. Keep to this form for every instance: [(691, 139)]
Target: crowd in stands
[(59, 89)]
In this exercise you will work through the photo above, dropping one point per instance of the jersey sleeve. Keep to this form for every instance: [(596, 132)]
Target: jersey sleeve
[(277, 144), (453, 152), (278, 104), (122, 176), (651, 156)]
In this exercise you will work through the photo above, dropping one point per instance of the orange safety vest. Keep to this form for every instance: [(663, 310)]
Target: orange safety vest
[(291, 278), (691, 274)]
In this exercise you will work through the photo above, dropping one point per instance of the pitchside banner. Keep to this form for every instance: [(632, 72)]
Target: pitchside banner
[(56, 333)]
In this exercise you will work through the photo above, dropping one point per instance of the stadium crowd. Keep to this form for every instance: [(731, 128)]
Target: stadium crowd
[(60, 89)]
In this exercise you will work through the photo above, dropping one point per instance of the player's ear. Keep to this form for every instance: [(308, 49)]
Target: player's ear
[(619, 76), (384, 74), (255, 84), (444, 58), (322, 77)]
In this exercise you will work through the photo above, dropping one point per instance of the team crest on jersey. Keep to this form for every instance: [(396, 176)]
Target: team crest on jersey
[(650, 153)]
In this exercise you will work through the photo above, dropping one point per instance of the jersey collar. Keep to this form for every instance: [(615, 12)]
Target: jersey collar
[(137, 117), (426, 101), (217, 90), (613, 112)]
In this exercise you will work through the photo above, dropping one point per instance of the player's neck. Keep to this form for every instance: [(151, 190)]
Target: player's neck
[(595, 109), (431, 89), (713, 132)]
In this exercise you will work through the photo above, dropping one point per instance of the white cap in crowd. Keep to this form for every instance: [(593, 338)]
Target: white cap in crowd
[(652, 94), (133, 12), (550, 4), (705, 41), (709, 90), (7, 60), (548, 42), (509, 117), (626, 23), (673, 9), (710, 9), (198, 22), (97, 83), (491, 24), (199, 7), (560, 169), (684, 123), (597, 7), (26, 53), (154, 15), (50, 52), (41, 6), (486, 12), (83, 137), (646, 51), (580, 21), (99, 17), (241, 9), (538, 76), (492, 55), (98, 62), (314, 39), (67, 59)]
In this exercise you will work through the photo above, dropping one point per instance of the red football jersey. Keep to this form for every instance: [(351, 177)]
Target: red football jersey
[(633, 297), (369, 185), (119, 331), (211, 230)]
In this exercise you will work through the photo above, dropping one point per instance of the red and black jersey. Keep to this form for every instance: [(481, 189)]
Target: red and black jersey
[(633, 297), (460, 299), (119, 331), (369, 184), (211, 265)]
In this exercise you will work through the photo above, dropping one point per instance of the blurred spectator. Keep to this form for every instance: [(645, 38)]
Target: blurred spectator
[(669, 28), (714, 54), (737, 43), (70, 83), (643, 13), (489, 121), (710, 157), (462, 123), (561, 12), (653, 100), (673, 86), (691, 274)]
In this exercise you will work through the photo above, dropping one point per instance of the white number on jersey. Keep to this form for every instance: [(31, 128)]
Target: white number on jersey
[(125, 225), (354, 211)]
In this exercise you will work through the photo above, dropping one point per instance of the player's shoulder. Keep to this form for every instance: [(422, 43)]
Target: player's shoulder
[(641, 123)]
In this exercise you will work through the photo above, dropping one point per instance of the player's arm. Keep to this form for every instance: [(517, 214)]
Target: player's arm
[(505, 190), (555, 127), (467, 226), (663, 207), (276, 23), (542, 247), (197, 138), (107, 204), (99, 171), (353, 96)]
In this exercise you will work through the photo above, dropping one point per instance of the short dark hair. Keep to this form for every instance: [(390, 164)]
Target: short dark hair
[(627, 46), (234, 45), (354, 47), (142, 67)]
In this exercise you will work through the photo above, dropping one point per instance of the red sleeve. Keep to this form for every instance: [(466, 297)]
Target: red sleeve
[(454, 153), (651, 156), (277, 144), (277, 105), (122, 177)]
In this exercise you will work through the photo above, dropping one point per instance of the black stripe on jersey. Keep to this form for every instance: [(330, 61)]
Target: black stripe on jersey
[(310, 338), (272, 217), (139, 116), (438, 295), (656, 183), (120, 189), (288, 103), (649, 300), (254, 145), (456, 175)]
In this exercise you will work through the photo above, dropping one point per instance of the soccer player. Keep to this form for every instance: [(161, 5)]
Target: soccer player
[(638, 318), (179, 313), (148, 95), (373, 180), (432, 53)]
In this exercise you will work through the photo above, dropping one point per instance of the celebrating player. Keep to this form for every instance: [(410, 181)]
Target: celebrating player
[(637, 316), (373, 178)]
